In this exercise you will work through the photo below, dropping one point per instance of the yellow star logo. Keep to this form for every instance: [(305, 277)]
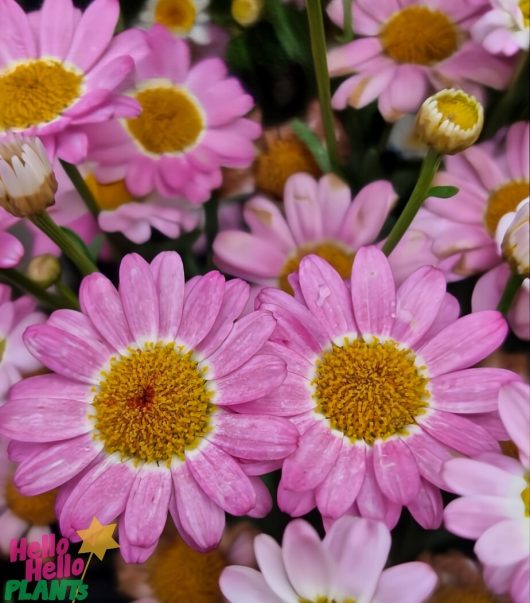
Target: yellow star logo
[(97, 538)]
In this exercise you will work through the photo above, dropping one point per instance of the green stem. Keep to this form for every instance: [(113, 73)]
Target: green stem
[(510, 291), (318, 50), (348, 34), (23, 283), (65, 291), (60, 238), (429, 167), (81, 186)]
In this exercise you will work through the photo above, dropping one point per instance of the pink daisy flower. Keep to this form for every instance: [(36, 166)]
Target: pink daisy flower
[(493, 178), (505, 28), (11, 250), (348, 565), (15, 317), (191, 125), (494, 507), (409, 49), (319, 218), (60, 69), (21, 516), (379, 387), (137, 418)]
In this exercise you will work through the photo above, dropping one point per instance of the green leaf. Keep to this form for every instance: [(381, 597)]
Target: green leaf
[(313, 143), (443, 192)]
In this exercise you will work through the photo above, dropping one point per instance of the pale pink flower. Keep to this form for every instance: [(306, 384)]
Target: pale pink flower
[(407, 50), (191, 125), (60, 70), (494, 507), (504, 29), (348, 565), (15, 359), (379, 387), (11, 250), (21, 516), (136, 418), (319, 217)]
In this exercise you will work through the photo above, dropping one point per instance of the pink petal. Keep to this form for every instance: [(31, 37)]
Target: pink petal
[(430, 457), (70, 356), (295, 504), (373, 292), (302, 208), (266, 221), (200, 517), (470, 476), (396, 471), (57, 21), (246, 338), (504, 543), (408, 88), (243, 584), (344, 59), (270, 562), (316, 454), (257, 377), (17, 38), (398, 579), (474, 390), (336, 494), (334, 198), (326, 296), (458, 433), (514, 409), (49, 386), (130, 552), (201, 307), (147, 506), (254, 437), (418, 301), (222, 479), (102, 492), (138, 297), (517, 149), (465, 342), (306, 563), (168, 274), (427, 507), (55, 465), (102, 304)]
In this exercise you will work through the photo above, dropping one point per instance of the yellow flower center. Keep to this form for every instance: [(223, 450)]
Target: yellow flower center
[(502, 200), (36, 91), (109, 196), (326, 600), (341, 259), (178, 573), (3, 345), (282, 158), (458, 108), (178, 15), (36, 510), (461, 594), (171, 121), (419, 35), (152, 404), (246, 12), (369, 391), (524, 5), (525, 495)]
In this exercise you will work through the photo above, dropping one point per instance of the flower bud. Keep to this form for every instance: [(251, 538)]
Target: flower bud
[(246, 12), (450, 121), (27, 181), (44, 269), (513, 233)]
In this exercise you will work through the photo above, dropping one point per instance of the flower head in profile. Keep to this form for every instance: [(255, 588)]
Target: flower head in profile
[(192, 124), (21, 516), (494, 506), (60, 70), (15, 360), (27, 180), (319, 217), (505, 28), (184, 18), (137, 416), (408, 49), (348, 565), (513, 236), (380, 388)]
